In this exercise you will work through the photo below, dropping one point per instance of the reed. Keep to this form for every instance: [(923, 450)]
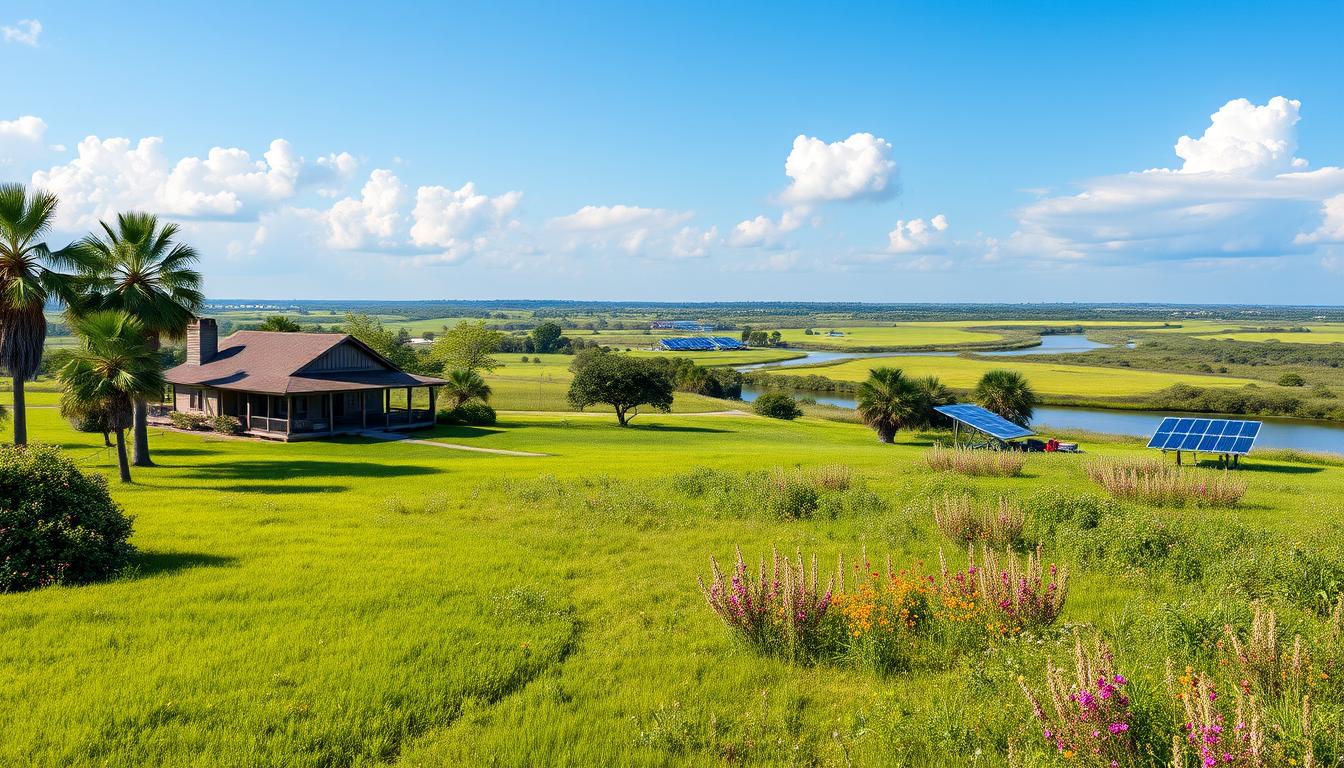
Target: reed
[(1152, 481), (977, 463)]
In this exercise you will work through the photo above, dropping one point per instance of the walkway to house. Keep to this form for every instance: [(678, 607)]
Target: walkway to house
[(380, 435)]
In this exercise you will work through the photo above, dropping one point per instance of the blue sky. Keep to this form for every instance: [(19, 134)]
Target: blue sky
[(982, 152)]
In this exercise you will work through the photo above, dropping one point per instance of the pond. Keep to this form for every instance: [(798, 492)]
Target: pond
[(1058, 344), (1276, 433)]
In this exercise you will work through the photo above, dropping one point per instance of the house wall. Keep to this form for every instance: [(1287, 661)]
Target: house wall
[(345, 357), (195, 400)]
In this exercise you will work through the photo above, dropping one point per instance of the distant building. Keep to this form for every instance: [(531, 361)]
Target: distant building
[(693, 326), (835, 333)]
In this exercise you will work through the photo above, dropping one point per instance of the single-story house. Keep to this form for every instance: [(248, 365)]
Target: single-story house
[(296, 386)]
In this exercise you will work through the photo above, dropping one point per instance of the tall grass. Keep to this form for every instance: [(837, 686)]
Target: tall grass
[(961, 519), (781, 610), (977, 463), (1153, 481)]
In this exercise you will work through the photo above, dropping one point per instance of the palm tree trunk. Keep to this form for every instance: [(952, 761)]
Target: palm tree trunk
[(20, 414), (142, 434), (121, 456)]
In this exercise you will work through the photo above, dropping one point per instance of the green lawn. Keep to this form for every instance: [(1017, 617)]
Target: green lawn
[(1046, 378), (544, 386), (1318, 334), (368, 603)]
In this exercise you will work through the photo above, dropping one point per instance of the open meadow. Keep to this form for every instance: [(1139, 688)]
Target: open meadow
[(1047, 378), (358, 602)]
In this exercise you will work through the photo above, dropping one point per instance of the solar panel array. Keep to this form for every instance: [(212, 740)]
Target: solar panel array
[(1227, 436), (986, 421), (704, 344)]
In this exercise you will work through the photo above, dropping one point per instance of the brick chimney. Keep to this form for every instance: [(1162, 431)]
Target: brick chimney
[(202, 341)]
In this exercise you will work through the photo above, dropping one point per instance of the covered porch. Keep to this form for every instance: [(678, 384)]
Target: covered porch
[(312, 415)]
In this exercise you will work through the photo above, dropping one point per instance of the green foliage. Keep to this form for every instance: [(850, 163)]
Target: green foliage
[(1007, 393), (468, 347), (890, 401), (465, 384), (624, 383), (777, 405), (57, 524), (546, 337), (470, 413), (1292, 379), (279, 324), (226, 425), (188, 420), (380, 339)]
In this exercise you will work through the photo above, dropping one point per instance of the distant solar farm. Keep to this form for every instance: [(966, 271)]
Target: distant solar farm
[(700, 344)]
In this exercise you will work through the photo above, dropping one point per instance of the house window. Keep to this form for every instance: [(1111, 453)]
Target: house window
[(194, 399)]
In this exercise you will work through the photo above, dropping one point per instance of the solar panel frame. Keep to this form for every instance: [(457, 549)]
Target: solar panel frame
[(990, 423), (1233, 437)]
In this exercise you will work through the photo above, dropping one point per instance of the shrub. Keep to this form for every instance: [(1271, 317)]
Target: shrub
[(781, 611), (472, 413), (227, 425), (1000, 526), (1291, 379), (777, 405), (967, 461), (57, 524), (1088, 719), (187, 420), (790, 495), (1154, 482), (1022, 595), (882, 615)]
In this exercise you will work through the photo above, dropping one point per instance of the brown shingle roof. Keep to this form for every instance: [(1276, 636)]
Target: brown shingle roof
[(266, 362)]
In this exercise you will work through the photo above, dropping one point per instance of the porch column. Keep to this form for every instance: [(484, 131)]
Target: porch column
[(363, 410), (248, 400), (331, 413), (433, 409), (289, 414), (387, 408), (409, 406)]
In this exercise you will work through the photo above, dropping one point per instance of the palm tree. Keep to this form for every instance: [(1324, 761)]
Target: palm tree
[(116, 365), (28, 280), (141, 270), (889, 401), (1007, 393), (463, 385), (280, 324), (930, 393)]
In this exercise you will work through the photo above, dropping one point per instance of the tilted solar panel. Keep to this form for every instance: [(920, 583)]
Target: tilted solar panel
[(1227, 436), (988, 422)]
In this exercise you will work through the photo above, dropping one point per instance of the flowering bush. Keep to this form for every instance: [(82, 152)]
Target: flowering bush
[(781, 610), (959, 518), (1017, 594), (1260, 664), (1154, 482), (882, 613), (1089, 718), (967, 461), (188, 420)]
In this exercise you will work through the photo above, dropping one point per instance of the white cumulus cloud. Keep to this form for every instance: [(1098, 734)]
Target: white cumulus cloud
[(1240, 192), (25, 32), (114, 174), (860, 167), (633, 229), (763, 231), (454, 221), (372, 220), (919, 236), (26, 128)]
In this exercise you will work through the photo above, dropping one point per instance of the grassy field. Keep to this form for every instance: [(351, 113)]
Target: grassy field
[(893, 336), (1047, 378), (544, 386), (365, 603), (1318, 334)]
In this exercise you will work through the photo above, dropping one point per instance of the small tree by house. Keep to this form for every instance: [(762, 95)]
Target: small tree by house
[(468, 347), (623, 382), (279, 324), (464, 385)]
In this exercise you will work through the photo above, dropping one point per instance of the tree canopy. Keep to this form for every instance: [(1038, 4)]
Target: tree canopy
[(468, 347), (1007, 393), (624, 383), (546, 337), (279, 323)]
